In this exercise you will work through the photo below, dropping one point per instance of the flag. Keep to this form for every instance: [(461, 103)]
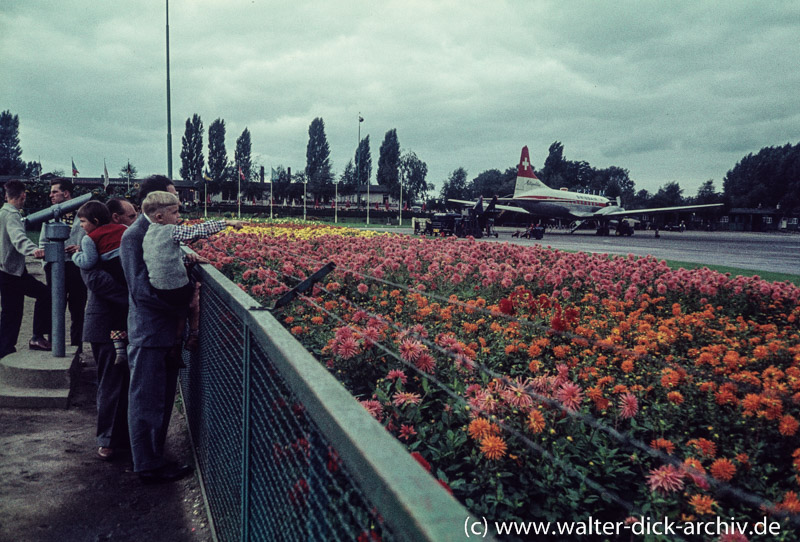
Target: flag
[(241, 175), (360, 118), (105, 175), (273, 175), (206, 178), (74, 169)]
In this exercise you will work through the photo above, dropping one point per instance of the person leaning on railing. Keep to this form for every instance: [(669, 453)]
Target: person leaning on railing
[(15, 281)]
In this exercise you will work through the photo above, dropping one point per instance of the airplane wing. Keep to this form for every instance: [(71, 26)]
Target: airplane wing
[(497, 206), (629, 212)]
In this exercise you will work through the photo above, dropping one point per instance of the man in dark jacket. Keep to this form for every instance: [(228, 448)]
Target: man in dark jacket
[(152, 326)]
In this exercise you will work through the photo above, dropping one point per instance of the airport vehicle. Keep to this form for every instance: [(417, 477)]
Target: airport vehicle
[(533, 197)]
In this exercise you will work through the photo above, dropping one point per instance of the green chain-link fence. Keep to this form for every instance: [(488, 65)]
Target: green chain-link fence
[(284, 451)]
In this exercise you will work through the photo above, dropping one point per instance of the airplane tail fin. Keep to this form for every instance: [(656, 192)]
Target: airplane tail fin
[(526, 178)]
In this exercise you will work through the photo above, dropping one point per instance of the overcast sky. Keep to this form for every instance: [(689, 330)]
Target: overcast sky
[(671, 91)]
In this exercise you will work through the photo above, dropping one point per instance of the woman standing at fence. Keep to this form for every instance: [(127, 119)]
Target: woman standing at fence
[(107, 301)]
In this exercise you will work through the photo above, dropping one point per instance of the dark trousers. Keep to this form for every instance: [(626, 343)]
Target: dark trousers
[(112, 397), (76, 299), (151, 397), (13, 290)]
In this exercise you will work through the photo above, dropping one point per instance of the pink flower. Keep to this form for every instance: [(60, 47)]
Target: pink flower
[(570, 395), (362, 288), (407, 431), (410, 349), (397, 374), (628, 406), (425, 363), (346, 348), (665, 479), (374, 408), (403, 397)]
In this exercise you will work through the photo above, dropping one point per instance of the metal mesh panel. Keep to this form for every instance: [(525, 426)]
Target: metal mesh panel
[(299, 490), (213, 392), (269, 473)]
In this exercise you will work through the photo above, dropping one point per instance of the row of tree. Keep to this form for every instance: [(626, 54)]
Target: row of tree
[(770, 178), (226, 177)]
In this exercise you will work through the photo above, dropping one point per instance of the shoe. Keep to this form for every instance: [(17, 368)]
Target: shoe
[(171, 472), (104, 453), (39, 343)]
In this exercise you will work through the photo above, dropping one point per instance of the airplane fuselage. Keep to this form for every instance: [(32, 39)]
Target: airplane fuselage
[(551, 203)]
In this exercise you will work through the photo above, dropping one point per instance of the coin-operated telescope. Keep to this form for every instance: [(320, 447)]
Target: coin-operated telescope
[(57, 232)]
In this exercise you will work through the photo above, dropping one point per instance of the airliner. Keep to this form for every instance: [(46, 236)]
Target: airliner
[(533, 197)]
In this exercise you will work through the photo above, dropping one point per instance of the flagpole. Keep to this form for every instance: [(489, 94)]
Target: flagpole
[(271, 181), (305, 184), (336, 205), (205, 198), (239, 192)]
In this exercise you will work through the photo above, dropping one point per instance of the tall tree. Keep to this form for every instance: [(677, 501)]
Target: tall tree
[(669, 195), (707, 193), (486, 184), (455, 187), (217, 156), (348, 181), (389, 163), (10, 151), (128, 171), (244, 160), (413, 172), (363, 163), (192, 160), (767, 179), (318, 162)]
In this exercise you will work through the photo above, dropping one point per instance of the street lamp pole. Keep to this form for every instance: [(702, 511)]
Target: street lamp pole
[(169, 107), (358, 160)]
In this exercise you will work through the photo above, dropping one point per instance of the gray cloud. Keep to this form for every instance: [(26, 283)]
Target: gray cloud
[(670, 91)]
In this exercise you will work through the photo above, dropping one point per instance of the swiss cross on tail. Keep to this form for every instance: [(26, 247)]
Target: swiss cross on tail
[(526, 178)]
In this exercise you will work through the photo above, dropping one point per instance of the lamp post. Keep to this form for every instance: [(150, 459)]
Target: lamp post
[(400, 205), (358, 160), (169, 110)]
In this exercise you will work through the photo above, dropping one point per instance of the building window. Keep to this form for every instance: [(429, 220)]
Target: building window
[(723, 219), (793, 221), (766, 219)]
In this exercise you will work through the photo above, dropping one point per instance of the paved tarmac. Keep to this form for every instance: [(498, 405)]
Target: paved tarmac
[(776, 252)]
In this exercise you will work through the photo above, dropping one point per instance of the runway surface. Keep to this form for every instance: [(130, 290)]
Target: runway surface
[(776, 252)]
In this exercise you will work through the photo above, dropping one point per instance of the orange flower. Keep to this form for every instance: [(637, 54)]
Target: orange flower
[(480, 428), (723, 469), (702, 504), (788, 426), (535, 421), (493, 447), (790, 503), (670, 378), (627, 366), (706, 446), (317, 320), (675, 397), (750, 404), (662, 444)]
